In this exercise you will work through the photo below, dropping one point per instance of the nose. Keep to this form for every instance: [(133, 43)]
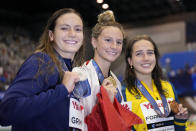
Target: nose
[(113, 45), (71, 32), (145, 56)]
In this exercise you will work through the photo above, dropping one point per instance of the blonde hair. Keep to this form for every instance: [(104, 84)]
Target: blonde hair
[(105, 19)]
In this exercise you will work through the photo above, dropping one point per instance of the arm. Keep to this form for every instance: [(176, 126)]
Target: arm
[(30, 96), (181, 117)]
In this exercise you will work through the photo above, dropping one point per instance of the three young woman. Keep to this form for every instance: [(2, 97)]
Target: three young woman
[(39, 97)]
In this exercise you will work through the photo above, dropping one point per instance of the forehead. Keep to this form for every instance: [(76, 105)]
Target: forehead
[(111, 31), (143, 45), (69, 18)]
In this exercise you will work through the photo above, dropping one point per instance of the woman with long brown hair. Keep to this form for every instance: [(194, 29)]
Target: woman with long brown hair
[(39, 97), (147, 90)]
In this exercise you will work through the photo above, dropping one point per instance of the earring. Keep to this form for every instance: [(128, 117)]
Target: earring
[(132, 67)]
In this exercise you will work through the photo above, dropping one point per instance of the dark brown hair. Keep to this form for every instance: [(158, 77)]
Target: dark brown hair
[(130, 76)]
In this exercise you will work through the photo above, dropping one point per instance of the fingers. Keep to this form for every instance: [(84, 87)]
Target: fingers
[(110, 88), (182, 110), (108, 85), (106, 82), (69, 80)]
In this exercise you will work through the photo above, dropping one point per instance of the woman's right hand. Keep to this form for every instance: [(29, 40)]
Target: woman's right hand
[(110, 88), (69, 80)]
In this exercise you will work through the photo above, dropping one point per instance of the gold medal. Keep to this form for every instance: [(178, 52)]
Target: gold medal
[(113, 81)]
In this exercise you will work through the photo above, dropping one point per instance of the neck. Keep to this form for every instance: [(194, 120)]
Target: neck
[(103, 65), (64, 54), (147, 79)]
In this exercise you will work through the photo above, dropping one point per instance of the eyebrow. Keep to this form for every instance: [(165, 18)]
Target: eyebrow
[(142, 50), (69, 25), (150, 50)]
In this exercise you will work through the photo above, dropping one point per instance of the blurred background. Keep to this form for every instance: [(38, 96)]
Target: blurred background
[(171, 24)]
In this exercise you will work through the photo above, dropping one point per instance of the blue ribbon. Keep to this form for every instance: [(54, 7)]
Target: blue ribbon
[(82, 88), (63, 65), (153, 102), (101, 78)]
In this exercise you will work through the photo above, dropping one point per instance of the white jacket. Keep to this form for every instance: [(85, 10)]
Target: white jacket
[(90, 101)]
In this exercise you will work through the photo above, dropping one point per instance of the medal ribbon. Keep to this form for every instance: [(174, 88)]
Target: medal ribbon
[(153, 102), (65, 68), (101, 78)]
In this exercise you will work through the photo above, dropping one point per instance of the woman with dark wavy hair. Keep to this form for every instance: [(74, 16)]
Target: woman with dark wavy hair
[(147, 90)]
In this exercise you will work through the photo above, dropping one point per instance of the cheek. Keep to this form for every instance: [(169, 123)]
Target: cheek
[(57, 36), (81, 36), (120, 48), (154, 60)]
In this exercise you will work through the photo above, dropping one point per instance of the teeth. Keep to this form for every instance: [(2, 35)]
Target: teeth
[(70, 42), (112, 53), (146, 65)]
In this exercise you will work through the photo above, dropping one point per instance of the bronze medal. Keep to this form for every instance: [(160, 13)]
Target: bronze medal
[(174, 107)]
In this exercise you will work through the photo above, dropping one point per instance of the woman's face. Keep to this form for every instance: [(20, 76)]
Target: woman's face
[(67, 35), (143, 57), (108, 45)]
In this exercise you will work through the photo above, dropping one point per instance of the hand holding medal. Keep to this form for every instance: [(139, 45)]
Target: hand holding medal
[(174, 107), (179, 110), (113, 81), (110, 85), (82, 88)]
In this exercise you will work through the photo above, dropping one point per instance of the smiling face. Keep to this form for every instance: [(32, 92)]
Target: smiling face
[(67, 35), (108, 45), (143, 58)]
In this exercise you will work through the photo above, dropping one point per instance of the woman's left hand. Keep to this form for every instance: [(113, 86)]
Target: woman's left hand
[(183, 112)]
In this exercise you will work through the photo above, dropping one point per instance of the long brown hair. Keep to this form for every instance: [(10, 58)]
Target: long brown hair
[(130, 76), (46, 45)]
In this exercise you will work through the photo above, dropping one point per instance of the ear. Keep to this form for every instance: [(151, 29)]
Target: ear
[(51, 35), (130, 61), (94, 42)]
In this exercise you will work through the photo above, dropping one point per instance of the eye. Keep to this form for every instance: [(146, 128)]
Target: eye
[(119, 42), (150, 52), (64, 28), (139, 53), (108, 40), (78, 29)]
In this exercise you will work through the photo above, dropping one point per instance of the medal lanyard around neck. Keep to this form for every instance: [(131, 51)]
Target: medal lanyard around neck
[(101, 78), (153, 102), (98, 71), (63, 65)]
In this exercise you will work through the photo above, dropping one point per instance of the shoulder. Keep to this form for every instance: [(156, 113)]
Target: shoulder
[(168, 88), (34, 62), (131, 96), (87, 63), (39, 56), (166, 84), (88, 66)]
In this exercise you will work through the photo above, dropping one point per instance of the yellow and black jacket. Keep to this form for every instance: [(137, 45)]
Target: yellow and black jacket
[(137, 100)]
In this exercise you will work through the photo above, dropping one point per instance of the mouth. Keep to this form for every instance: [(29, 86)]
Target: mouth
[(71, 42), (112, 53), (146, 65)]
